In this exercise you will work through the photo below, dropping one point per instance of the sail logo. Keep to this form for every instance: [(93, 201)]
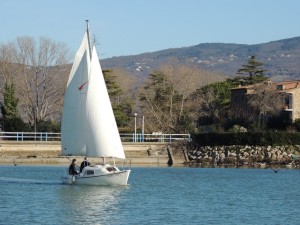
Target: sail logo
[(82, 86)]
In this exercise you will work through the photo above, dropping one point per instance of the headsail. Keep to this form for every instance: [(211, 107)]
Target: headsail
[(103, 138)]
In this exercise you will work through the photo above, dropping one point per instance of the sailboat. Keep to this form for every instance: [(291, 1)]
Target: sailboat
[(88, 124)]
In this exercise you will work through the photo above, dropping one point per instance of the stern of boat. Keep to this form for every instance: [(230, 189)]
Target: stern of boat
[(66, 178)]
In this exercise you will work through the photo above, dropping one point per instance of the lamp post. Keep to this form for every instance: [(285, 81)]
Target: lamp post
[(143, 128), (135, 114)]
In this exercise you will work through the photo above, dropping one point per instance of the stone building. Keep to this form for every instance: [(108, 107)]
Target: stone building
[(292, 91), (267, 98)]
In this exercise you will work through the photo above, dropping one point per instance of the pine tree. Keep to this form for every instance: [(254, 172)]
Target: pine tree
[(11, 119), (254, 70), (9, 107), (122, 107)]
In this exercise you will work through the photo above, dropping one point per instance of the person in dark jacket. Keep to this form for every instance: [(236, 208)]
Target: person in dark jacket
[(84, 163), (72, 168)]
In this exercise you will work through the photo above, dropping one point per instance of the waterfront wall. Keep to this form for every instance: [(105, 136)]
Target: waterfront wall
[(154, 153), (257, 156)]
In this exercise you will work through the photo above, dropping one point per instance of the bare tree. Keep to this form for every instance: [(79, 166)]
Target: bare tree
[(127, 83), (188, 77), (265, 101), (164, 97), (40, 74), (8, 68)]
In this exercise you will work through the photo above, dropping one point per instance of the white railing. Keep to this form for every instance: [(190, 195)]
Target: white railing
[(125, 137), (29, 136), (154, 137)]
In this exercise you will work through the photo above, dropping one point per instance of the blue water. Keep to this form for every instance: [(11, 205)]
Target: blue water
[(34, 195)]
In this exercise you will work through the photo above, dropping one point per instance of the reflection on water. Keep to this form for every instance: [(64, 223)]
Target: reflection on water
[(90, 203)]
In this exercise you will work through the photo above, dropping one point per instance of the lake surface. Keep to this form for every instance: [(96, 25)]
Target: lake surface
[(35, 195)]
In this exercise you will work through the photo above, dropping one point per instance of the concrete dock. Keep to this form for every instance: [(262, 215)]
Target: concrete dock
[(35, 152)]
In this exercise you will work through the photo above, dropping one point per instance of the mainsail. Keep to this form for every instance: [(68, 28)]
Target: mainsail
[(72, 126), (88, 124)]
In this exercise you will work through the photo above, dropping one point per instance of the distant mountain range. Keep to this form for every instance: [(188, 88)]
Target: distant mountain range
[(281, 58)]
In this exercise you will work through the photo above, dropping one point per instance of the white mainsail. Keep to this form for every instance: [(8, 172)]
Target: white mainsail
[(88, 124), (72, 126)]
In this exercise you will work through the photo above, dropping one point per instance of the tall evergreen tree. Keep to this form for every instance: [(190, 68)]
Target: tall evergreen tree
[(122, 107), (254, 70), (11, 120), (9, 107), (112, 87)]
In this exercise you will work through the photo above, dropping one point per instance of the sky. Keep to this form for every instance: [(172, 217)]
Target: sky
[(131, 27)]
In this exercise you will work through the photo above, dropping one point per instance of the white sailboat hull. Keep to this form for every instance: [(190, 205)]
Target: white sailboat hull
[(100, 175)]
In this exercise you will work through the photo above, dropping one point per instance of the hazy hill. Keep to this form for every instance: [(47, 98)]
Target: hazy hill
[(281, 58)]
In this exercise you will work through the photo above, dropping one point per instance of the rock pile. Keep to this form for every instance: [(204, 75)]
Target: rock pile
[(245, 155)]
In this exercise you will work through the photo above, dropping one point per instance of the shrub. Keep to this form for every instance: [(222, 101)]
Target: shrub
[(254, 138), (296, 124)]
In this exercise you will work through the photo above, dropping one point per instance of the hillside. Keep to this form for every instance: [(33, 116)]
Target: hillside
[(281, 58)]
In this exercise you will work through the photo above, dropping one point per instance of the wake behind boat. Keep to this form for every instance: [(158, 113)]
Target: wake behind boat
[(89, 127)]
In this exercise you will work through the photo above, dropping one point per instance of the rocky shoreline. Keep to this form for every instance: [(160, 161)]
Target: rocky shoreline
[(251, 156), (161, 154)]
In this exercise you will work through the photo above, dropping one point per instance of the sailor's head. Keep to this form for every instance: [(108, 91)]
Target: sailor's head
[(73, 160)]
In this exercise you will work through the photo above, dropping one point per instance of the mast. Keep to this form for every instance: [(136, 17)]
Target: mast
[(88, 36)]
